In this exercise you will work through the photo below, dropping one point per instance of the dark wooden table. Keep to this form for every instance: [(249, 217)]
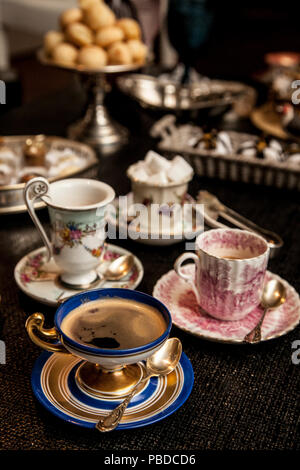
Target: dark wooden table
[(244, 397)]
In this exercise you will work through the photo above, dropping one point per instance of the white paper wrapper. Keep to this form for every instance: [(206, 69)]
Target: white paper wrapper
[(274, 144), (271, 154), (224, 141), (250, 152), (294, 159)]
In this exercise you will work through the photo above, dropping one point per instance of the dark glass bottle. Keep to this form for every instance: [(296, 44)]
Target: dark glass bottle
[(189, 24)]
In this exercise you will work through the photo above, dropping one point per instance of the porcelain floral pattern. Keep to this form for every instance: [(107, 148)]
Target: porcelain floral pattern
[(33, 268), (71, 234), (180, 299)]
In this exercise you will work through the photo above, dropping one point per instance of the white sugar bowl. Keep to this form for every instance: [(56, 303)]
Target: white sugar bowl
[(160, 185), (158, 180)]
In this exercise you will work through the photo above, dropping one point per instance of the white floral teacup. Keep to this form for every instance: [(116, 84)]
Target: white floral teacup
[(77, 210)]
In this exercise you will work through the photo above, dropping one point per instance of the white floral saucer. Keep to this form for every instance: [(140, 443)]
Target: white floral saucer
[(188, 231), (39, 280), (179, 298)]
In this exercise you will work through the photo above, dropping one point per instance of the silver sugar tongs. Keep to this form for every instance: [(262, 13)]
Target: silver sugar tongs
[(214, 208)]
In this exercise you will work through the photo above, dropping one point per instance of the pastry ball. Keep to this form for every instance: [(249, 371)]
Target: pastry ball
[(99, 15), (93, 57), (79, 34), (130, 28), (119, 54), (52, 39), (108, 35), (72, 15), (85, 4), (65, 53), (138, 50)]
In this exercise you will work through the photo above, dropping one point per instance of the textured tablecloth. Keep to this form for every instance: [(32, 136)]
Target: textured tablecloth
[(244, 397)]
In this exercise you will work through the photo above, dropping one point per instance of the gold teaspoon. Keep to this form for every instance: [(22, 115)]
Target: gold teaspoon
[(162, 362), (274, 294)]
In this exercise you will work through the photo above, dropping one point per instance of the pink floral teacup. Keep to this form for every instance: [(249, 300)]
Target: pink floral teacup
[(230, 271), (77, 210)]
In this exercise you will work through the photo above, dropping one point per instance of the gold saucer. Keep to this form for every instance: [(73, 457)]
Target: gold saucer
[(267, 120), (56, 388)]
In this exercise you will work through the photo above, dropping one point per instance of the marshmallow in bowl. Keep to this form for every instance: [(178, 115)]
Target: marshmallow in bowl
[(158, 178), (156, 163), (179, 170), (158, 170), (138, 171)]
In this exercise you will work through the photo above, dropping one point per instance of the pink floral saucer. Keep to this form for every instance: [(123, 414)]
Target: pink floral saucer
[(39, 279), (179, 298)]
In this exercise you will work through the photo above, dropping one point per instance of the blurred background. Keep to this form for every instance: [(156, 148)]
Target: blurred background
[(235, 37)]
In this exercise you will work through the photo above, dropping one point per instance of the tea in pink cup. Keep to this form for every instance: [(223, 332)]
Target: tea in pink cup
[(230, 271)]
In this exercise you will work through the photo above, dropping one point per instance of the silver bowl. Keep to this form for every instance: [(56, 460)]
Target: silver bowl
[(151, 92), (11, 195)]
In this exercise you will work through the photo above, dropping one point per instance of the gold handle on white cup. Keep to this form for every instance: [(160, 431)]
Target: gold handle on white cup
[(41, 336), (188, 277), (36, 188)]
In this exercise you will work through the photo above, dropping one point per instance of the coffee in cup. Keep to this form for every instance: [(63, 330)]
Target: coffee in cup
[(135, 325), (114, 323)]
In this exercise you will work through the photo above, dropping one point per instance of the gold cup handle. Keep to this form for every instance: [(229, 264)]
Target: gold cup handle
[(39, 335)]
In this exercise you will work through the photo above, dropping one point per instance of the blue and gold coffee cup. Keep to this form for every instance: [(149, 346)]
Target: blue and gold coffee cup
[(106, 370)]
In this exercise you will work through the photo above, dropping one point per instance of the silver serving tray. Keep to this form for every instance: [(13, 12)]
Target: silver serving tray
[(151, 92), (11, 196)]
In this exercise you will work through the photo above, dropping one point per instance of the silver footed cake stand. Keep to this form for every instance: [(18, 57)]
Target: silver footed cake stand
[(96, 128)]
